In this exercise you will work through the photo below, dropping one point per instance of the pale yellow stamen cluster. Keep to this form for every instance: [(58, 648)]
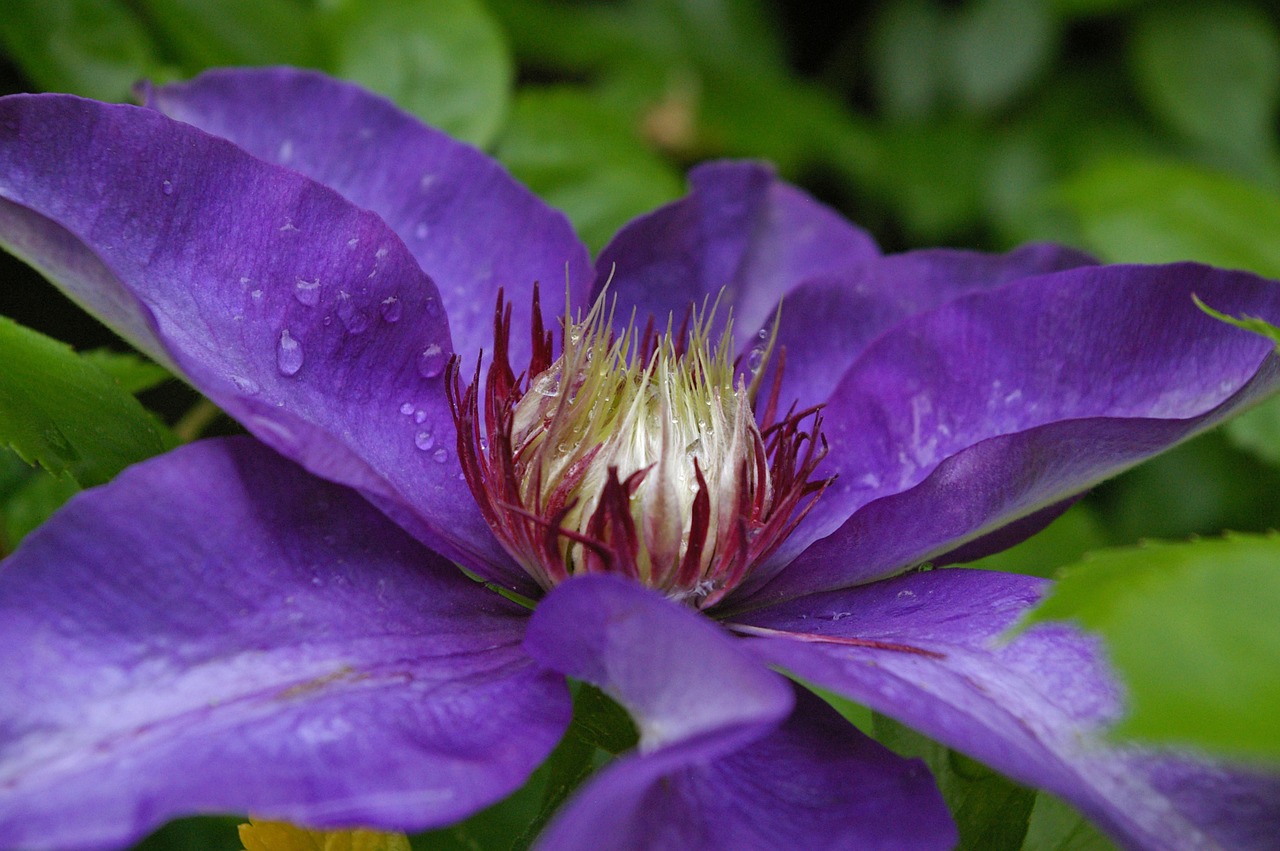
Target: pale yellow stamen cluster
[(607, 407)]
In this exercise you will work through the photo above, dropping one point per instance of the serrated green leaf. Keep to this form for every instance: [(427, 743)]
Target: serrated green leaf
[(1144, 211), (31, 503), (67, 415), (445, 61), (209, 33), (1212, 72), (991, 811), (585, 159), (1191, 628), (133, 373), (94, 48)]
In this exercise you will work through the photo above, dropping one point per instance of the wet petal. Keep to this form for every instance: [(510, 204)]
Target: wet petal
[(217, 630), (298, 313), (679, 675), (828, 321), (740, 229), (1001, 404), (468, 223), (815, 783), (1034, 709)]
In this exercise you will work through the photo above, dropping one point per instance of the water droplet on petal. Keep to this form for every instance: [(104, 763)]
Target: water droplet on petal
[(307, 292), (353, 318), (755, 359), (167, 186), (353, 242), (256, 295), (391, 309), (424, 440), (431, 361), (420, 416), (440, 455), (288, 354), (406, 408), (245, 385)]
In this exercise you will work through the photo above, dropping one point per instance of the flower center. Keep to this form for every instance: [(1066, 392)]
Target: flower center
[(635, 453)]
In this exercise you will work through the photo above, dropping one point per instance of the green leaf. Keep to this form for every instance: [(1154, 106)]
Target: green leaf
[(1191, 628), (66, 414), (584, 159), (445, 61), (1252, 324), (907, 58), (133, 373), (94, 48), (1212, 72), (999, 47), (991, 811), (1258, 431), (1144, 211), (208, 33), (1056, 826), (1062, 542), (31, 503)]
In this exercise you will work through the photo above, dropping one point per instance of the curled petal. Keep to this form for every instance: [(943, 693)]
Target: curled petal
[(467, 222), (828, 321), (1002, 404), (1036, 709), (679, 675), (297, 312), (216, 630)]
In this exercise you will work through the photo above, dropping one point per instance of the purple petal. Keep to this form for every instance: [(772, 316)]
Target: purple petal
[(218, 631), (1035, 709), (468, 223), (269, 291), (679, 675), (740, 229), (1001, 404), (828, 321), (815, 783)]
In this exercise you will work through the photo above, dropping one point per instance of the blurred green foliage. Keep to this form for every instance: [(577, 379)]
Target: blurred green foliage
[(1141, 130)]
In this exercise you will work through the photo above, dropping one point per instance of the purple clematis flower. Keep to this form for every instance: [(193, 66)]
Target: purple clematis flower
[(276, 623)]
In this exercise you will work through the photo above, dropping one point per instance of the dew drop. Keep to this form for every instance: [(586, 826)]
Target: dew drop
[(406, 408), (353, 242), (353, 318), (420, 416), (380, 253), (440, 455), (256, 295), (167, 187), (307, 292), (288, 354), (762, 334), (431, 361), (247, 386), (547, 384), (391, 309), (424, 440), (755, 359)]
